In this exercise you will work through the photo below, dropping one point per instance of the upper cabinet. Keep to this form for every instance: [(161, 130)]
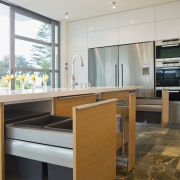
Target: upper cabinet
[(138, 16), (168, 11), (137, 26), (107, 37), (103, 22), (103, 31), (137, 33), (77, 27), (168, 21), (168, 29)]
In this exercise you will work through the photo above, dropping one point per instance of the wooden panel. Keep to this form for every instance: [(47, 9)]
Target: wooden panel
[(94, 142), (132, 131), (2, 141), (165, 108), (119, 95), (63, 106), (129, 123), (124, 111)]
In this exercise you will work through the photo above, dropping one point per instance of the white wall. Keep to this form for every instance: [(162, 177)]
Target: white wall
[(77, 45)]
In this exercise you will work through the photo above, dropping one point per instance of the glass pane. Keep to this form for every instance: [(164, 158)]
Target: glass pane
[(56, 58), (32, 55), (31, 78), (32, 28), (56, 34), (4, 42), (57, 77)]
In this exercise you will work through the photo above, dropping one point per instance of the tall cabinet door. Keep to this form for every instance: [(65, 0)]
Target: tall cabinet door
[(102, 66)]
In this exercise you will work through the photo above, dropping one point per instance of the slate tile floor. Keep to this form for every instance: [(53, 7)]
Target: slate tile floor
[(157, 154)]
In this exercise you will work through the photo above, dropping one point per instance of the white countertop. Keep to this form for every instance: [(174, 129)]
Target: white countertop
[(7, 96)]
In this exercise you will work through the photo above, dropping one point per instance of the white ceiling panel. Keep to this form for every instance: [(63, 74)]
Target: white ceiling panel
[(81, 9)]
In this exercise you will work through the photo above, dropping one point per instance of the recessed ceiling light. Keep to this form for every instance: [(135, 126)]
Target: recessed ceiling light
[(114, 5), (66, 15)]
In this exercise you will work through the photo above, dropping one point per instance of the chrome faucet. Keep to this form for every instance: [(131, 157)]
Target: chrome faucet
[(73, 80)]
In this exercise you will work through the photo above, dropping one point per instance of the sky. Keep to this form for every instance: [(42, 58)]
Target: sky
[(28, 28), (4, 36)]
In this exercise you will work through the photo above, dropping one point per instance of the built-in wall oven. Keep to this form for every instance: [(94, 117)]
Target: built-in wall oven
[(167, 73), (168, 68)]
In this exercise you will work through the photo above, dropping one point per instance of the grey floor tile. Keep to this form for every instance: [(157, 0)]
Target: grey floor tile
[(155, 157)]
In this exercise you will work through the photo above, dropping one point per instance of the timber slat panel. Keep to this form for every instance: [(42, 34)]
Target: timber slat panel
[(94, 142), (63, 106), (129, 123), (165, 108), (132, 131)]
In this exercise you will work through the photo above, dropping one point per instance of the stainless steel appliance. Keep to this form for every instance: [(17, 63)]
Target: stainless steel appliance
[(125, 65), (168, 50), (167, 74)]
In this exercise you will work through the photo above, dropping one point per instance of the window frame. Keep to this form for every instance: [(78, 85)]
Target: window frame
[(55, 47)]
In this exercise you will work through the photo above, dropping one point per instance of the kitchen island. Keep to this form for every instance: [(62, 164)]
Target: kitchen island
[(84, 106)]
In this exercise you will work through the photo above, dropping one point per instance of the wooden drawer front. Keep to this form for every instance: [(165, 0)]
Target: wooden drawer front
[(119, 95), (63, 105)]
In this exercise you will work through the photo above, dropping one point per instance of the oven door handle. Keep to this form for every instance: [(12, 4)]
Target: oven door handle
[(174, 91), (170, 62)]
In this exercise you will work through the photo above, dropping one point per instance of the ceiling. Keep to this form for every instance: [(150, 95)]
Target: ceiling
[(81, 9)]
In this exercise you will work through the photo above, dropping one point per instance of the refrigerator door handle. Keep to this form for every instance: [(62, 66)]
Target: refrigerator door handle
[(116, 74), (122, 68)]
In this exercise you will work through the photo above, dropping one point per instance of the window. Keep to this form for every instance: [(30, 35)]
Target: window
[(31, 47), (4, 42)]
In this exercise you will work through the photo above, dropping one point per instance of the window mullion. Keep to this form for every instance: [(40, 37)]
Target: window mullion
[(32, 40), (53, 54), (12, 43)]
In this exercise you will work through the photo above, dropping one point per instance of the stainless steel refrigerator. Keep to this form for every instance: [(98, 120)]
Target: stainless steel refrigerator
[(124, 65)]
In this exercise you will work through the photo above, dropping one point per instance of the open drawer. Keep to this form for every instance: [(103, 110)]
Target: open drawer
[(33, 130)]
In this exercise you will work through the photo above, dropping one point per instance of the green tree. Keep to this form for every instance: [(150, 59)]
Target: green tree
[(21, 62), (4, 66), (41, 53)]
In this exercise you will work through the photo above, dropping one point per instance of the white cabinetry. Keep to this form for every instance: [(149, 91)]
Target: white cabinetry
[(107, 37), (103, 22), (77, 45), (137, 26), (168, 11), (137, 33), (168, 21), (168, 29), (103, 31), (138, 16)]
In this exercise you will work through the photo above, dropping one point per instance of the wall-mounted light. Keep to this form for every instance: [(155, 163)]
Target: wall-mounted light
[(66, 15), (114, 5)]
